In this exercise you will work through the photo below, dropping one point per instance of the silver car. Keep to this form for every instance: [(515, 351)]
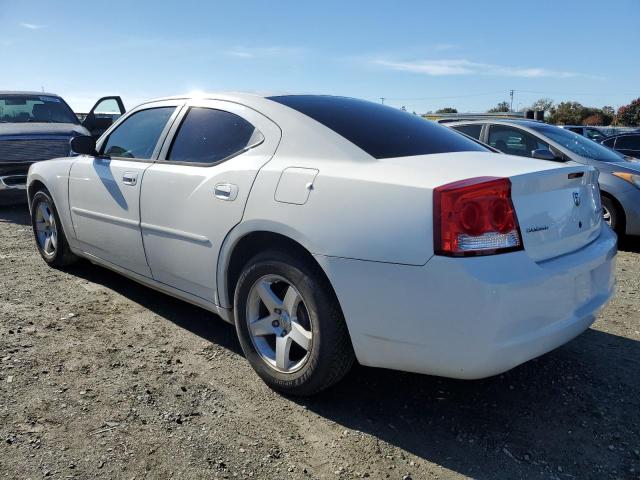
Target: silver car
[(619, 177)]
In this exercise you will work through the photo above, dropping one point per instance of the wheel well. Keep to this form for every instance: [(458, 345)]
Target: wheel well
[(619, 209), (35, 187), (257, 242)]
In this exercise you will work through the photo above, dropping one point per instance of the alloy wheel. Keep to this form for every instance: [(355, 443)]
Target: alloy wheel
[(606, 215), (46, 229), (279, 324)]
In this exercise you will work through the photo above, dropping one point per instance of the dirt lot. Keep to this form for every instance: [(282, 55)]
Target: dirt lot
[(103, 378)]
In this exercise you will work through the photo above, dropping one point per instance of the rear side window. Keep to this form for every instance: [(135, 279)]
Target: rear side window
[(208, 136), (137, 136), (471, 130), (631, 142), (381, 131)]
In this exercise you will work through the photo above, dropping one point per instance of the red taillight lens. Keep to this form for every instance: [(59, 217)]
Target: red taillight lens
[(475, 217)]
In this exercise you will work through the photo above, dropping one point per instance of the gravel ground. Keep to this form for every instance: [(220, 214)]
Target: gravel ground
[(103, 378)]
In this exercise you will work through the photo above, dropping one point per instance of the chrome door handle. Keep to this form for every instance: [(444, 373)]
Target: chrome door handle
[(226, 191), (130, 178)]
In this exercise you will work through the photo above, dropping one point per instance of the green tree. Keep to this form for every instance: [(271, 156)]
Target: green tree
[(567, 113), (629, 115), (501, 107), (542, 104), (447, 110)]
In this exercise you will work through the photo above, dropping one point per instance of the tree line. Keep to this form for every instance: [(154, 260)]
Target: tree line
[(574, 113)]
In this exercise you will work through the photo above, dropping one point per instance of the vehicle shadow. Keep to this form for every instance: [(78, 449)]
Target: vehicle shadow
[(201, 322), (629, 244), (573, 413), (18, 214), (568, 414)]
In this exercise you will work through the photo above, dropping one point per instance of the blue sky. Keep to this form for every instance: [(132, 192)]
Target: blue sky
[(422, 54)]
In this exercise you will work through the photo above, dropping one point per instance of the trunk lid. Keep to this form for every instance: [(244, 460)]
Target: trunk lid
[(558, 210)]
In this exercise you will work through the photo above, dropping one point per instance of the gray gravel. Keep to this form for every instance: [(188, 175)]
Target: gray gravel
[(103, 378)]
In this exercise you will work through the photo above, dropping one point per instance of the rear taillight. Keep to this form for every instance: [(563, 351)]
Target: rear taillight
[(475, 217)]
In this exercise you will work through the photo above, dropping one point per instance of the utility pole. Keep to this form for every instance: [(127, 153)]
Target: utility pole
[(511, 95), (382, 100)]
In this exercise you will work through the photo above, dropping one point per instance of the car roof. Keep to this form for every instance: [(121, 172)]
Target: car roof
[(17, 92), (624, 134)]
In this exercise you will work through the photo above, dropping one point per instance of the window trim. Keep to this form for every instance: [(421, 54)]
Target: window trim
[(178, 108), (165, 150)]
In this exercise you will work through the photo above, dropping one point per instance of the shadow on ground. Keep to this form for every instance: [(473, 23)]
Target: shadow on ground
[(573, 413), (629, 244), (17, 214)]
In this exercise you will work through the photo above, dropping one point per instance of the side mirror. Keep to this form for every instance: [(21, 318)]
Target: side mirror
[(543, 154), (84, 145)]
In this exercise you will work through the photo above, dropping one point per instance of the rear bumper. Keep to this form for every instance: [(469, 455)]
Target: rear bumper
[(471, 317)]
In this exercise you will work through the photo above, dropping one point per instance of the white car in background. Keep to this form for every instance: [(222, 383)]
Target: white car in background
[(329, 229)]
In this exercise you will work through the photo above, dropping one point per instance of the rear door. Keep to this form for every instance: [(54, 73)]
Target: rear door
[(104, 191), (196, 192)]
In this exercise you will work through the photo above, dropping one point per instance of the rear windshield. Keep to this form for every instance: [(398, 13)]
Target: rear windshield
[(35, 109), (381, 131)]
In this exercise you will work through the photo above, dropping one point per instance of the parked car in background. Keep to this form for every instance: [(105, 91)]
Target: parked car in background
[(329, 228), (619, 179), (591, 133), (37, 126), (625, 143)]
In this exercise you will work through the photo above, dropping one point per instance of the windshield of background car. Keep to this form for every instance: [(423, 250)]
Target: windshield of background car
[(35, 109), (594, 134), (379, 130), (578, 144)]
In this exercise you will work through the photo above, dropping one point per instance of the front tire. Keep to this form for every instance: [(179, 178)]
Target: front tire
[(290, 324), (612, 215), (47, 229)]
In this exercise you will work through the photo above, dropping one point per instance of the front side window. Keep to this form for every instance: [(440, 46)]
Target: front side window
[(514, 141), (208, 136), (35, 109), (577, 130), (471, 130), (137, 136), (379, 130), (609, 142)]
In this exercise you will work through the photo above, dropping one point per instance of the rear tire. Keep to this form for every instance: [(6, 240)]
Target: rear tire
[(285, 304), (49, 234)]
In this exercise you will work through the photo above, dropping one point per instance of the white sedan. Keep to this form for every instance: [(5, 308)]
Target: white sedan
[(330, 229)]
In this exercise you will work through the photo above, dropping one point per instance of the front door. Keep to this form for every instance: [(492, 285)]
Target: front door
[(196, 192), (104, 191), (103, 114)]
